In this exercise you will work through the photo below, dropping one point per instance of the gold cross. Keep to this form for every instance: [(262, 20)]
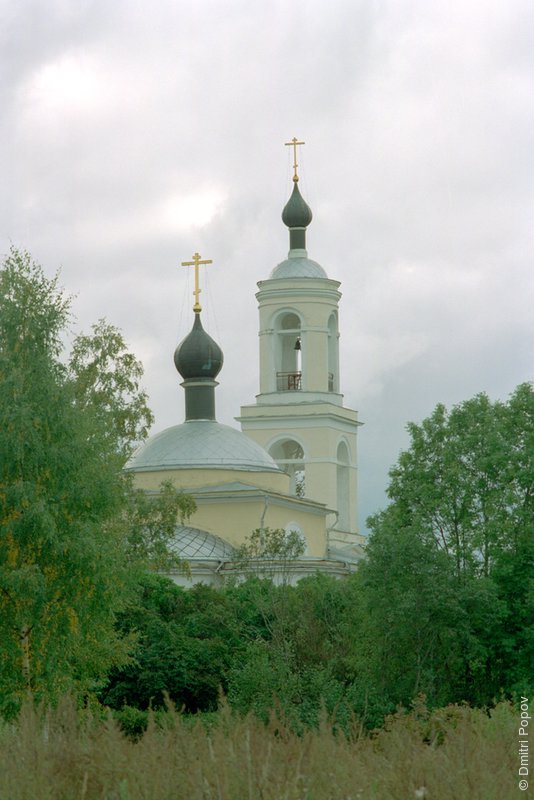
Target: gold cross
[(293, 143), (197, 308)]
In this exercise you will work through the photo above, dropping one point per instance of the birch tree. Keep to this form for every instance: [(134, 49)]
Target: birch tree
[(66, 427)]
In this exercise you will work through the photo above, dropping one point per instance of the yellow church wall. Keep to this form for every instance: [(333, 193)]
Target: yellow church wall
[(190, 479), (320, 428), (234, 519), (233, 515)]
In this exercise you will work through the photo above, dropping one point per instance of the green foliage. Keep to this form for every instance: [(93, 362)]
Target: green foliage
[(448, 585), (70, 525), (466, 482), (60, 569), (261, 644), (150, 525), (423, 631), (105, 379), (270, 553), (301, 662), (271, 543), (186, 640), (132, 721)]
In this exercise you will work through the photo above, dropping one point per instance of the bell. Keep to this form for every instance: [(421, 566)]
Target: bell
[(297, 344)]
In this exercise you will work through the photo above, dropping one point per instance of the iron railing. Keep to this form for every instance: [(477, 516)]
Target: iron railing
[(292, 381), (288, 381)]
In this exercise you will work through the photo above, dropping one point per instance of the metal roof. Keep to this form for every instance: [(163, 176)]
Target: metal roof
[(298, 268), (201, 444), (193, 543)]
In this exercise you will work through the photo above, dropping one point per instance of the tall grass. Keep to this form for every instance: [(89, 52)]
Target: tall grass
[(451, 754)]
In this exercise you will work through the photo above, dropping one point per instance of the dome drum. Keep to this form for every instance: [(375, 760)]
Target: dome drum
[(199, 399), (297, 239)]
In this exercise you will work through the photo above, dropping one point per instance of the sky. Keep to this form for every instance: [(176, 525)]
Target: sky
[(135, 133)]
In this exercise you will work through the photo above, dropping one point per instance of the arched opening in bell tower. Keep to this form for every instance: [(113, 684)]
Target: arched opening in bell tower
[(343, 487), (289, 456), (288, 349)]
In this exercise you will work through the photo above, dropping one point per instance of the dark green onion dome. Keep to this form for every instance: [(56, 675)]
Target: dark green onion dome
[(296, 213), (198, 356)]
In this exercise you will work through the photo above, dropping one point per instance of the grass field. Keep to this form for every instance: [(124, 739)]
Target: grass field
[(451, 754)]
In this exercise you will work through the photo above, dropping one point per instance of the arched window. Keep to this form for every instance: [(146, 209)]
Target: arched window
[(289, 456), (343, 487), (288, 351), (294, 528)]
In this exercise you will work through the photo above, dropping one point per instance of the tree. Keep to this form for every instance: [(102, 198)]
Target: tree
[(105, 380), (186, 641), (268, 556), (64, 433), (466, 482), (270, 553), (150, 523), (449, 580), (421, 630)]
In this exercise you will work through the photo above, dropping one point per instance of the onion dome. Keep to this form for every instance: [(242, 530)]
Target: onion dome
[(297, 216), (198, 355), (296, 213)]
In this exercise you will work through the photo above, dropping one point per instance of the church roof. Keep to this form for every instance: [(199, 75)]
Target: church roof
[(298, 267), (198, 355), (202, 444), (193, 543), (296, 213)]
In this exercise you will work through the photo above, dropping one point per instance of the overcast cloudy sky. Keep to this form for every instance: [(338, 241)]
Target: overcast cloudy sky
[(133, 133)]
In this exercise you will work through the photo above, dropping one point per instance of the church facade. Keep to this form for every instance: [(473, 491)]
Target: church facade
[(293, 465)]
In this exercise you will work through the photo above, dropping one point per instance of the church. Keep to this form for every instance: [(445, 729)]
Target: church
[(293, 465)]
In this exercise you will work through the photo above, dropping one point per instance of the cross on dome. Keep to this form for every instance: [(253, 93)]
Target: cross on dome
[(294, 144), (196, 261)]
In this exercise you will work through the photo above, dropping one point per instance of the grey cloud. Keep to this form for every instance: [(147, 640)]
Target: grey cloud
[(418, 122)]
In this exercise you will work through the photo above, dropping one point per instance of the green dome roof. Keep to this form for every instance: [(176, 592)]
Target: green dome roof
[(296, 213), (198, 355)]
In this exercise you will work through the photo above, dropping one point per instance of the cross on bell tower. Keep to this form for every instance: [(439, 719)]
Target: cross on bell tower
[(294, 143), (196, 261)]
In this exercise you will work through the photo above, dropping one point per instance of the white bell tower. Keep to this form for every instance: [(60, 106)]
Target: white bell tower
[(299, 417)]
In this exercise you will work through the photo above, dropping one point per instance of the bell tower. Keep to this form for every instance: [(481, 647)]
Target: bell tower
[(299, 416)]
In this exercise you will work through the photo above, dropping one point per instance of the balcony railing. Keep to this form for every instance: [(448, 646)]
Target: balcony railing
[(292, 381), (288, 381)]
